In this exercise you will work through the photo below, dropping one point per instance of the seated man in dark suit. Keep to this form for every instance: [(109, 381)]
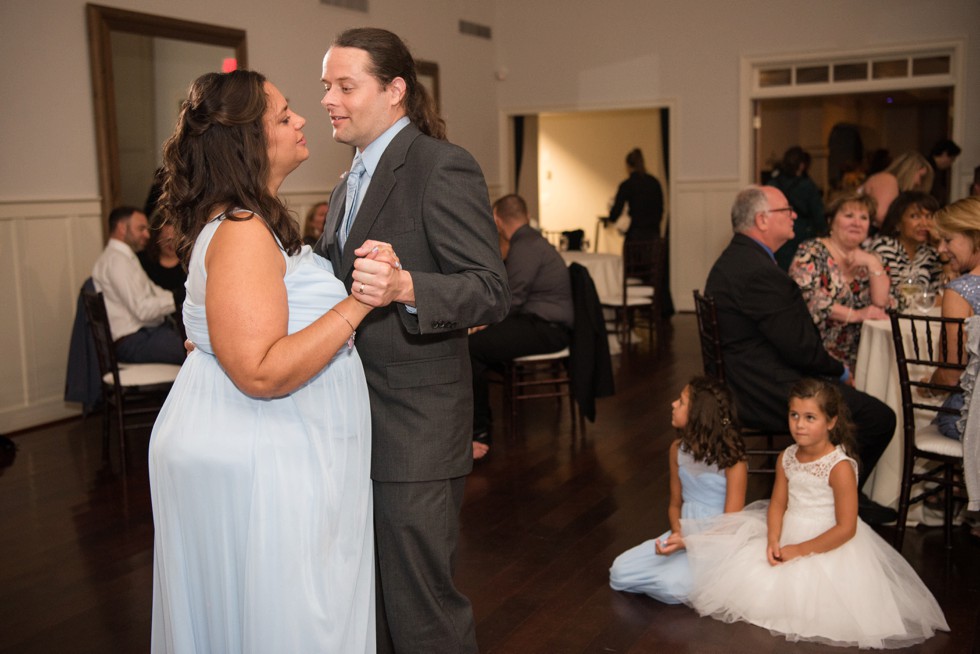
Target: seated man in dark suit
[(769, 340), (540, 318)]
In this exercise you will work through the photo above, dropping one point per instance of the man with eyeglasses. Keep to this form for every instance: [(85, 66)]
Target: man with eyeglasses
[(769, 340)]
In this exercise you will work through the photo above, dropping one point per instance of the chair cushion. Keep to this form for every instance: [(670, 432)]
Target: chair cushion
[(639, 291), (928, 439), (144, 374), (560, 354), (631, 301)]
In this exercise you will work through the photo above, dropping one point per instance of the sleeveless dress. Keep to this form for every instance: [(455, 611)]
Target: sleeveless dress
[(668, 578), (862, 593), (952, 425), (263, 507)]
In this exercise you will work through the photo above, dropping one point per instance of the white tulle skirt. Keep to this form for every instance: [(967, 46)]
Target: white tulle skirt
[(862, 593)]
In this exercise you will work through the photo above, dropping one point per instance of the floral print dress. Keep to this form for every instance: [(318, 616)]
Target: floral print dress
[(820, 278)]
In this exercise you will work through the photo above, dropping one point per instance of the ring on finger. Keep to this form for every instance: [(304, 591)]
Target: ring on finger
[(360, 289)]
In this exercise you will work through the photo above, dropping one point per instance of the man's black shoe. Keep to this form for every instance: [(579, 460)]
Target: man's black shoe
[(873, 513)]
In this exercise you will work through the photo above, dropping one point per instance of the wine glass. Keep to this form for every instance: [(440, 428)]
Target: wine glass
[(908, 289), (925, 300)]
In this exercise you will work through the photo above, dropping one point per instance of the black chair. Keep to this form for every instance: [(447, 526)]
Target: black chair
[(922, 344), (533, 377), (761, 458), (134, 390), (640, 301), (581, 372)]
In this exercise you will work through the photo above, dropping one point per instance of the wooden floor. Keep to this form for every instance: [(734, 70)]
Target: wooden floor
[(543, 519)]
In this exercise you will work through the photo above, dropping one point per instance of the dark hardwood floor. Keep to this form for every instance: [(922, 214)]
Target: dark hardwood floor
[(543, 519)]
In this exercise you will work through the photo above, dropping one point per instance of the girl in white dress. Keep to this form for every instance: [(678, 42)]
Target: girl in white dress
[(708, 476), (807, 567)]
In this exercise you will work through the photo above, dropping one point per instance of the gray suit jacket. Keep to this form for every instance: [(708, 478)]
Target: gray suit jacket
[(428, 198)]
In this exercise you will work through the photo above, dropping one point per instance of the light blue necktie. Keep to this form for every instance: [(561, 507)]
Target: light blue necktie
[(350, 205)]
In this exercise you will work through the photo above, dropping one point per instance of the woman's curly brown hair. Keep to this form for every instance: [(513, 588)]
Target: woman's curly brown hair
[(711, 434), (218, 157)]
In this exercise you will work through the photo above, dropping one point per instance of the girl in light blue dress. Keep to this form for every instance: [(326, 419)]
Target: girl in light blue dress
[(708, 476)]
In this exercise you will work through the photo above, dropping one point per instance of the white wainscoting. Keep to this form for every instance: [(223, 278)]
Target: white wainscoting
[(700, 228), (47, 249)]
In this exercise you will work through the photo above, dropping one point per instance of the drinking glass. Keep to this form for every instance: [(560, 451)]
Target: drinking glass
[(924, 301)]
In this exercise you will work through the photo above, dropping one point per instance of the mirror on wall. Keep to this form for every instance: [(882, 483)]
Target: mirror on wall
[(142, 66)]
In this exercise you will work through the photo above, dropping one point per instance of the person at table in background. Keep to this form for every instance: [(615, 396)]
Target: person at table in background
[(903, 244), (959, 240), (138, 309), (642, 193), (540, 318), (162, 265), (793, 180), (843, 285), (769, 340), (259, 460), (313, 225), (941, 158), (908, 172)]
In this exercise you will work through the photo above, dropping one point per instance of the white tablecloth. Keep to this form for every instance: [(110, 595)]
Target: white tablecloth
[(606, 270), (876, 373)]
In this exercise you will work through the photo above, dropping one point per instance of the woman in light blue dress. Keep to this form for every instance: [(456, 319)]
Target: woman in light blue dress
[(959, 243), (260, 459), (708, 477)]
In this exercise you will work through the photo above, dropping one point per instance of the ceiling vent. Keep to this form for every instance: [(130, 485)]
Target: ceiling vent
[(356, 5), (474, 29)]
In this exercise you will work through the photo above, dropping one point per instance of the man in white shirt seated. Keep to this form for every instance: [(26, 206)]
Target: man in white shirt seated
[(137, 308)]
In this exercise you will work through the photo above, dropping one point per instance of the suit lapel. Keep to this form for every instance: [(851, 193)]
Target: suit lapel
[(382, 182)]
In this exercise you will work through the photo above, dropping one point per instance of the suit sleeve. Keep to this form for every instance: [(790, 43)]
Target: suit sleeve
[(470, 287), (775, 302)]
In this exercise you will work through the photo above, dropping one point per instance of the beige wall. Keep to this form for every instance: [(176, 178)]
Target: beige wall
[(582, 162), (545, 56)]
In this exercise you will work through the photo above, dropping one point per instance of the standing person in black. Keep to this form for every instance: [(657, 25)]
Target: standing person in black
[(645, 197), (804, 196), (942, 156), (642, 192), (769, 341)]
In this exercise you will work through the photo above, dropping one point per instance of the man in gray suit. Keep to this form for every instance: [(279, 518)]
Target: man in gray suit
[(410, 188)]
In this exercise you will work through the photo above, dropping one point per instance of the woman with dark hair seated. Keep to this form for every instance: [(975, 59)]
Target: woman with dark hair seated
[(903, 244), (162, 265)]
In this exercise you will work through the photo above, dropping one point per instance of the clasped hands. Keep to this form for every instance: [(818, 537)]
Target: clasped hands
[(378, 276), (667, 546)]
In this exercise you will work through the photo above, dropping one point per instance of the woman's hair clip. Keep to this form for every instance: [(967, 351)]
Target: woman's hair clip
[(726, 421)]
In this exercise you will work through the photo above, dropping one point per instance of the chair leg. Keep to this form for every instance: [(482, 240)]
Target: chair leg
[(948, 505), (903, 503), (121, 425), (105, 427)]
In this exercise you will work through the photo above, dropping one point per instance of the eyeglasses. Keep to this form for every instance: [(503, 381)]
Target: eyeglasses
[(786, 209)]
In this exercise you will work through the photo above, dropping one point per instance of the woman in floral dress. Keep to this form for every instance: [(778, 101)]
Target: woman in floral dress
[(843, 285)]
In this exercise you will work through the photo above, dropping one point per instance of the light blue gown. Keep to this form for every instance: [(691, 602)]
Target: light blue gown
[(262, 507), (668, 578)]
